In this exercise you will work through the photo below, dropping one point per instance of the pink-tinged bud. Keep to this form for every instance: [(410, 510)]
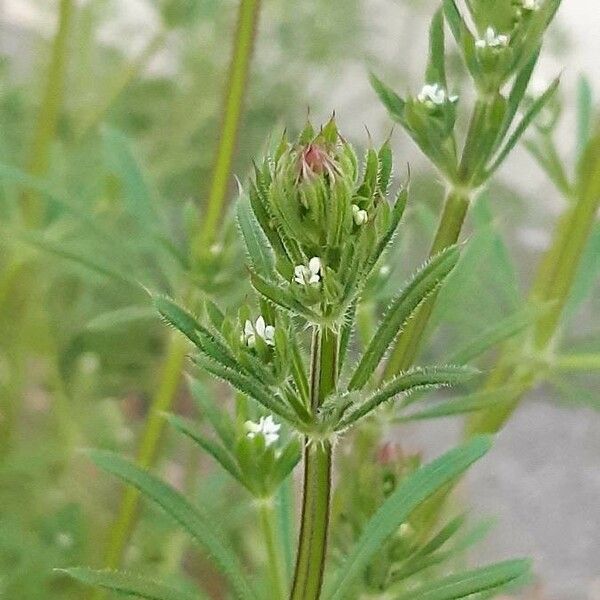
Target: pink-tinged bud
[(388, 453), (315, 160)]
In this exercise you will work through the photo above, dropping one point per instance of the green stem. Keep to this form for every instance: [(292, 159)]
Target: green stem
[(448, 232), (234, 100), (47, 120), (552, 286), (312, 544), (275, 558)]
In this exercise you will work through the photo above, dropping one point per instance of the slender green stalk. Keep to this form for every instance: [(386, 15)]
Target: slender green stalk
[(314, 526), (233, 106), (448, 232), (124, 524), (578, 362), (275, 557), (47, 120), (552, 286)]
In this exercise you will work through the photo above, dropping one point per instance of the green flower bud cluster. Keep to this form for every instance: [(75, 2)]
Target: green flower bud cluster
[(324, 220)]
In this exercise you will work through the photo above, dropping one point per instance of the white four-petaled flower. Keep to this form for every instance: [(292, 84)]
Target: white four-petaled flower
[(491, 39), (266, 427), (308, 274), (359, 215), (433, 94), (260, 329), (532, 5)]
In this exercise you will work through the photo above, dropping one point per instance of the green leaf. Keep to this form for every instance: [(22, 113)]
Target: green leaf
[(426, 281), (436, 68), (137, 196), (218, 419), (392, 102), (479, 581), (121, 317), (127, 583), (248, 386), (257, 244), (411, 493), (79, 258), (202, 338), (220, 454), (282, 298), (395, 218), (584, 114), (517, 94), (418, 378), (466, 404), (495, 334), (201, 528), (527, 119)]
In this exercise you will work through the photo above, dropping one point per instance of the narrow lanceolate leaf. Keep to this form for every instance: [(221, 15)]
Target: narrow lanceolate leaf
[(202, 529), (520, 129), (465, 404), (138, 198), (481, 581), (412, 492), (282, 298), (436, 69), (393, 103), (396, 217), (495, 334), (208, 408), (426, 281), (204, 340), (418, 378), (220, 454), (257, 244), (127, 583), (248, 386)]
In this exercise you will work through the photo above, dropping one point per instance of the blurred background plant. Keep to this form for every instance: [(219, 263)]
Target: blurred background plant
[(110, 117)]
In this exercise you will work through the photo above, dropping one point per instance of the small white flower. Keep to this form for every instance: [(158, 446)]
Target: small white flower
[(260, 329), (385, 270), (266, 427), (491, 39), (433, 94), (309, 274), (360, 216), (531, 5)]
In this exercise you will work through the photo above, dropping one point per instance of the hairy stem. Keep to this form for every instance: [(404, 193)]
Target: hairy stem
[(47, 119), (232, 112), (275, 557), (409, 342), (314, 526)]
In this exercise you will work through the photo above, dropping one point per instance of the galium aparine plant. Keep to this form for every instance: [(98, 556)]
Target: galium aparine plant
[(316, 225)]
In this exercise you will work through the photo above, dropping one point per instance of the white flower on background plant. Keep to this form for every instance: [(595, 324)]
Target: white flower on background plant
[(491, 39), (309, 274), (266, 427), (360, 216), (531, 5), (260, 329), (433, 94)]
